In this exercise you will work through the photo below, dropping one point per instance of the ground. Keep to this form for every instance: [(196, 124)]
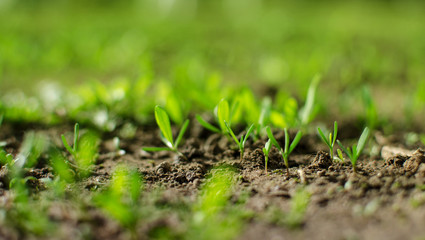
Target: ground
[(383, 200)]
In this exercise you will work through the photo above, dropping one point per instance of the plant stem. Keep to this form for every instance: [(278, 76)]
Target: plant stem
[(241, 151), (266, 160)]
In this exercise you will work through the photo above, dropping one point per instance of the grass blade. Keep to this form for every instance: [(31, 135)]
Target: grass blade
[(181, 133), (76, 136), (347, 151), (309, 104), (335, 132), (295, 141), (271, 137), (155, 149), (65, 143), (164, 124), (323, 137), (229, 130), (286, 140), (362, 141), (223, 113), (206, 125), (248, 133)]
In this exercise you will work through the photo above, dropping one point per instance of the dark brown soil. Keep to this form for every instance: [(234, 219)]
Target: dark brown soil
[(383, 200)]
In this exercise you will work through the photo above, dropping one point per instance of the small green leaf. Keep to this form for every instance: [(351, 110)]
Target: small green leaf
[(340, 154), (323, 137), (346, 150), (362, 141), (309, 103), (181, 133), (248, 133), (65, 143), (155, 149), (76, 136), (286, 140), (271, 137), (223, 114), (295, 141), (206, 125), (229, 130), (164, 124), (335, 133), (267, 147)]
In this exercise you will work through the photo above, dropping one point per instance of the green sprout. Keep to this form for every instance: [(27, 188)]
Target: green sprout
[(164, 125), (222, 113), (306, 114), (332, 138), (84, 150), (72, 150), (288, 148), (371, 113), (266, 151), (356, 150), (242, 141)]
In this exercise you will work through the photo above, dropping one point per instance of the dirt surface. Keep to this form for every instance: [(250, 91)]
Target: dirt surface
[(383, 200)]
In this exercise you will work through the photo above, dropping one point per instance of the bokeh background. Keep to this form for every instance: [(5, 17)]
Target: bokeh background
[(267, 45)]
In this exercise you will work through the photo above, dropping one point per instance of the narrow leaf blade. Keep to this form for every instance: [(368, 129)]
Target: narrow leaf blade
[(155, 149), (230, 131), (362, 140), (223, 113), (323, 137), (248, 133), (164, 124), (182, 132), (295, 141), (271, 137), (206, 125)]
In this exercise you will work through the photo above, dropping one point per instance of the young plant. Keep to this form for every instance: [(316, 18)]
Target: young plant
[(164, 125), (288, 147), (72, 150), (222, 113), (242, 141), (331, 141), (266, 151), (84, 150), (357, 149), (306, 114)]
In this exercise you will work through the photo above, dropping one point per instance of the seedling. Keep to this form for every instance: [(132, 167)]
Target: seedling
[(332, 138), (266, 151), (242, 141), (222, 113), (84, 150), (357, 149), (288, 148), (72, 150), (306, 114), (164, 125)]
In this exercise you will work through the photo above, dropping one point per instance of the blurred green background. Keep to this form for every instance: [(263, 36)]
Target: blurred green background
[(264, 44)]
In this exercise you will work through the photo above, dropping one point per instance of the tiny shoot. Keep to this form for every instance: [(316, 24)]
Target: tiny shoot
[(74, 148), (164, 125), (266, 151), (223, 112), (242, 141), (330, 142), (354, 152), (288, 147)]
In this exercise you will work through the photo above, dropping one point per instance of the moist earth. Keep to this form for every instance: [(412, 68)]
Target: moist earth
[(383, 200)]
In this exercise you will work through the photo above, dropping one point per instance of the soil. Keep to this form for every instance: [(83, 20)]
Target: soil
[(385, 199)]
